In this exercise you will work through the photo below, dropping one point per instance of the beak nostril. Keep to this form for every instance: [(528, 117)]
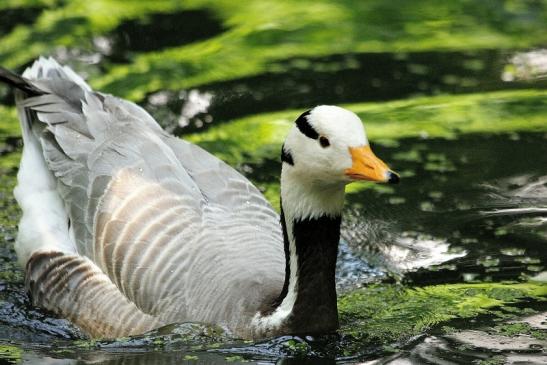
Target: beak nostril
[(392, 178)]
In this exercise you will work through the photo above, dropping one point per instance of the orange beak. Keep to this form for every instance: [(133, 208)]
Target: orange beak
[(366, 166)]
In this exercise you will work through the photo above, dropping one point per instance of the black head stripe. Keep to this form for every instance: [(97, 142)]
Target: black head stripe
[(286, 156), (305, 127)]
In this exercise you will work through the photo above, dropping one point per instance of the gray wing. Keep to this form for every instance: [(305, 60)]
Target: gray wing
[(173, 227), (89, 140)]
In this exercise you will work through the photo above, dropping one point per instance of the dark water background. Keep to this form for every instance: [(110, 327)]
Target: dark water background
[(471, 208)]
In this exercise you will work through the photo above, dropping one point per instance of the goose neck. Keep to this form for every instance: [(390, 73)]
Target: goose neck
[(310, 217)]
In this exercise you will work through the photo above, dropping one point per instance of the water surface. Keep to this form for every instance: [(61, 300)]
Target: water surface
[(440, 269)]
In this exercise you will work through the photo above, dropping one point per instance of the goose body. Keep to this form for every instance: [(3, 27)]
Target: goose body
[(126, 228)]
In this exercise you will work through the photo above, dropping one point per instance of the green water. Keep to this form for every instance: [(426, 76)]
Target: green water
[(447, 266)]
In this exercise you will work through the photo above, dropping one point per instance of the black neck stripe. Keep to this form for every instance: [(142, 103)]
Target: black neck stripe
[(316, 244), (286, 156), (305, 127)]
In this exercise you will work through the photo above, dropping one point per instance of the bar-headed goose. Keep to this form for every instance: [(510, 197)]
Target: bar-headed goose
[(126, 228)]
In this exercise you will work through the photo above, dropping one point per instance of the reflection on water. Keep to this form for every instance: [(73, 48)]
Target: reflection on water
[(484, 195), (157, 31), (468, 347), (387, 249), (304, 82), (12, 17), (522, 341), (149, 358), (526, 66), (170, 358)]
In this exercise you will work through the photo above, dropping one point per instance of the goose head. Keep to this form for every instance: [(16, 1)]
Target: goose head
[(326, 149)]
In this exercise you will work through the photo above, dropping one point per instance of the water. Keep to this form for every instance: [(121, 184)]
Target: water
[(435, 270), (346, 78), (484, 198)]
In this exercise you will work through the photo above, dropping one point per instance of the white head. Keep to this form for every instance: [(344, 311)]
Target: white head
[(328, 145), (326, 149)]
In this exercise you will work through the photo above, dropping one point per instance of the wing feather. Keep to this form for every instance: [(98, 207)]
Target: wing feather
[(172, 227)]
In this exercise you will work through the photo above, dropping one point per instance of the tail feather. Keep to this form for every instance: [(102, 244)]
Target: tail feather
[(44, 224), (42, 68), (19, 82), (48, 68)]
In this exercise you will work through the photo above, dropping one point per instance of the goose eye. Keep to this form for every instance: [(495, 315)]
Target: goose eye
[(324, 142)]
